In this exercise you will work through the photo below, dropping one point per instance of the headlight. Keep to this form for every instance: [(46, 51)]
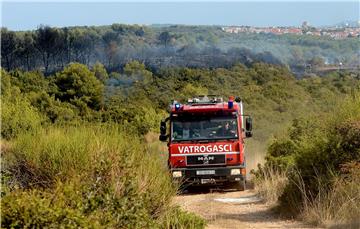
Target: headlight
[(235, 172), (176, 174)]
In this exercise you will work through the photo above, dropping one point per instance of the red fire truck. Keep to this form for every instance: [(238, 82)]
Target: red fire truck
[(206, 141)]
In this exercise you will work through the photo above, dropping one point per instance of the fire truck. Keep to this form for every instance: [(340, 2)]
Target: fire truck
[(205, 139)]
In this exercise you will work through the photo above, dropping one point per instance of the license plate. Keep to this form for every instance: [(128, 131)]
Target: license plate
[(205, 172), (206, 181)]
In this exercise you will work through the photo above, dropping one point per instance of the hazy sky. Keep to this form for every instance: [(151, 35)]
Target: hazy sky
[(28, 15)]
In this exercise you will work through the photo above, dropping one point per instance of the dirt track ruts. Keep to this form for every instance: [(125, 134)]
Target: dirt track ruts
[(250, 213)]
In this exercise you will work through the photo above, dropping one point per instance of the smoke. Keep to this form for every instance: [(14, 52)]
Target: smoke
[(182, 46), (225, 50), (122, 84), (204, 57)]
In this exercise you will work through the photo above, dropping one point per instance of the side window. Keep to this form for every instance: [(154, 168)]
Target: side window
[(177, 130)]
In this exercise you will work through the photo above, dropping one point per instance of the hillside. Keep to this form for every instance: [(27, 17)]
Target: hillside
[(76, 145)]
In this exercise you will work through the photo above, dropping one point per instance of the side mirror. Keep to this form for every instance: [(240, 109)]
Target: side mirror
[(248, 124), (163, 137), (248, 127)]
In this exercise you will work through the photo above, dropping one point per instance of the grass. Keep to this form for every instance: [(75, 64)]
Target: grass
[(322, 182), (96, 175), (270, 183), (337, 207)]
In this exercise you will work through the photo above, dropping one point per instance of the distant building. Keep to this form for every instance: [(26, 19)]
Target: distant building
[(305, 25), (333, 32)]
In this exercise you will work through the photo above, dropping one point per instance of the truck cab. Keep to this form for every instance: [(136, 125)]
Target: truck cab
[(205, 140)]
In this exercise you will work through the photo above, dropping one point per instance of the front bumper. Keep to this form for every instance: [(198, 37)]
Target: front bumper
[(219, 176)]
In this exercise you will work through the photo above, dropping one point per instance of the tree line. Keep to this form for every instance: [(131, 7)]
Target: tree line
[(50, 49)]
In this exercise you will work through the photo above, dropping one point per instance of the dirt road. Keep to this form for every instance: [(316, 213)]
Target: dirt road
[(234, 210)]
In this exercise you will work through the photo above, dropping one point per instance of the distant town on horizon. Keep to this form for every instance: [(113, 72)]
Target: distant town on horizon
[(342, 30), (339, 31)]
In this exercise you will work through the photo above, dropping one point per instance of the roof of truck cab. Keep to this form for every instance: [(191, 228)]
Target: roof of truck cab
[(204, 107)]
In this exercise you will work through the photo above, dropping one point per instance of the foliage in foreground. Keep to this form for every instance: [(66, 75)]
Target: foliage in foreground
[(270, 182), (338, 205), (90, 176), (322, 160)]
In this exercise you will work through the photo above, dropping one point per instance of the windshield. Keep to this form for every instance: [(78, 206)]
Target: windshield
[(213, 128)]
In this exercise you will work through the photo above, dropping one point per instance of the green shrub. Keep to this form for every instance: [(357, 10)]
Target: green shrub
[(54, 110), (33, 81), (76, 83), (87, 175), (281, 153), (179, 219), (100, 72), (322, 154), (38, 209), (18, 116), (137, 113), (92, 205)]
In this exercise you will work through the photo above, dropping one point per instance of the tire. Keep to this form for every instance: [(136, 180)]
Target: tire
[(239, 185)]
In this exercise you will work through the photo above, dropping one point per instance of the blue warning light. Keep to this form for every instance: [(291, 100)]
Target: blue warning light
[(177, 106)]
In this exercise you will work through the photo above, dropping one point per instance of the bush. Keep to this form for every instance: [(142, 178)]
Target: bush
[(87, 175), (100, 72), (280, 154), (54, 110), (312, 158), (336, 207), (179, 219), (139, 114), (38, 209), (18, 116), (77, 84), (319, 163)]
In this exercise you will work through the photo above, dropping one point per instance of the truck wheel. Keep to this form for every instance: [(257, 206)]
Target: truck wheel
[(239, 185)]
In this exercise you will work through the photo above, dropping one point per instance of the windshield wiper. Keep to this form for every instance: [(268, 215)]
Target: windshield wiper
[(203, 141)]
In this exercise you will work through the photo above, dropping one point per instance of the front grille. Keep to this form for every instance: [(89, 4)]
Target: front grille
[(206, 159)]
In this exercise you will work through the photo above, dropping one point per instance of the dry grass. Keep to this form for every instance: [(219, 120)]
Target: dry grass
[(338, 207), (270, 184)]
